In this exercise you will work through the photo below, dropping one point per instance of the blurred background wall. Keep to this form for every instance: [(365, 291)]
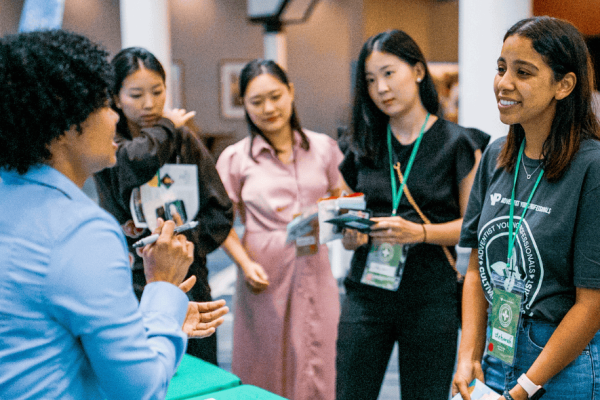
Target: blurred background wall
[(320, 52)]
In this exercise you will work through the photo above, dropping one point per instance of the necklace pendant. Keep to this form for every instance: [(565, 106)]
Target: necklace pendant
[(528, 175)]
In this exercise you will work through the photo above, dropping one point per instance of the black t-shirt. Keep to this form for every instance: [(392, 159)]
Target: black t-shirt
[(445, 156), (557, 248)]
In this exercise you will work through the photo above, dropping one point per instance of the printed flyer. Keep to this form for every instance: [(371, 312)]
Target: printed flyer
[(174, 188)]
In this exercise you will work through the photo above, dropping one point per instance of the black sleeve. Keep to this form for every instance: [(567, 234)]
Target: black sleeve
[(348, 167), (137, 162), (480, 138), (215, 215), (465, 141), (487, 166), (464, 157), (586, 267)]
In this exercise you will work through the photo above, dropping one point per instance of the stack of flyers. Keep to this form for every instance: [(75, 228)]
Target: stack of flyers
[(479, 391)]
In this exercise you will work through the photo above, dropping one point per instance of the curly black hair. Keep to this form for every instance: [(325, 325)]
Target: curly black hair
[(49, 82)]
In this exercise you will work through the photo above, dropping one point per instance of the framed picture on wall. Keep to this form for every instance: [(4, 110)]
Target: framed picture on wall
[(232, 106)]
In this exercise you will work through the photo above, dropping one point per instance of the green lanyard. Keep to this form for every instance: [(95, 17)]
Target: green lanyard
[(513, 234), (397, 195)]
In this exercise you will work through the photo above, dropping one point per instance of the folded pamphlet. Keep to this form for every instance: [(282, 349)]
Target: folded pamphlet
[(333, 207), (353, 219)]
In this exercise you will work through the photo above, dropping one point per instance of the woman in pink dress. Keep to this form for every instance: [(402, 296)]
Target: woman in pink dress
[(287, 305)]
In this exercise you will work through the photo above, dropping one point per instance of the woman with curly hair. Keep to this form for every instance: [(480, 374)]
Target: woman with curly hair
[(70, 325)]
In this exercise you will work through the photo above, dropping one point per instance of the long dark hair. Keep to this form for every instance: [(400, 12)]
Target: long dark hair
[(369, 123), (563, 48), (250, 71), (127, 62)]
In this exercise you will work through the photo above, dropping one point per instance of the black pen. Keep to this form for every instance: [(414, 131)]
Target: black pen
[(153, 238)]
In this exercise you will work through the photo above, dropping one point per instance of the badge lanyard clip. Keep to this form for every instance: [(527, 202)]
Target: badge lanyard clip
[(385, 262), (509, 290)]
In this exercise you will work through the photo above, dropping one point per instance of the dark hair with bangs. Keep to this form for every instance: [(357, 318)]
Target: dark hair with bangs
[(369, 123), (250, 71), (563, 48), (127, 62), (50, 81)]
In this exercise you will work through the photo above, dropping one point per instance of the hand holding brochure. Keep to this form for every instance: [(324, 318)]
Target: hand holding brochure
[(479, 391)]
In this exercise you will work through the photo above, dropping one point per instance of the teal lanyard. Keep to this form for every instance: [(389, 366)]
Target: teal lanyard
[(513, 234), (397, 194)]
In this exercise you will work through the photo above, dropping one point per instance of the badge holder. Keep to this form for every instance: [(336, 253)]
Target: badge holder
[(308, 243), (505, 318), (385, 262), (385, 265)]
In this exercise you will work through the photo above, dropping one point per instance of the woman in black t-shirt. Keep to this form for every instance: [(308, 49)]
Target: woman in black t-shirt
[(401, 286), (533, 221)]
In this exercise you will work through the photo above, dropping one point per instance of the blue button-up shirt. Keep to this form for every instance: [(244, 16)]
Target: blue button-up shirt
[(70, 325)]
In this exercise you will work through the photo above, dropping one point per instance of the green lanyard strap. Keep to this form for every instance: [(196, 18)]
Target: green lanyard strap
[(397, 194), (513, 234)]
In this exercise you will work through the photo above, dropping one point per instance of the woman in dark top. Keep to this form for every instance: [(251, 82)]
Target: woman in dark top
[(533, 222), (401, 286), (149, 138)]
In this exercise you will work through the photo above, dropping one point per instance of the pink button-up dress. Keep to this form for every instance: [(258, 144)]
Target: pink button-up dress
[(284, 338)]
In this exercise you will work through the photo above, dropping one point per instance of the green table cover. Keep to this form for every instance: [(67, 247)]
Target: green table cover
[(243, 392), (196, 377)]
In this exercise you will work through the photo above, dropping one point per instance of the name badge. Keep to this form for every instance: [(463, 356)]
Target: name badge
[(308, 244), (385, 265), (504, 321)]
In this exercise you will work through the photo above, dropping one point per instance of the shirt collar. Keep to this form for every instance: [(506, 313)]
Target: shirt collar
[(259, 145), (46, 176)]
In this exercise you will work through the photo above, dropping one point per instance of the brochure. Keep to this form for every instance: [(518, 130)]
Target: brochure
[(353, 219), (174, 188), (479, 391), (301, 225)]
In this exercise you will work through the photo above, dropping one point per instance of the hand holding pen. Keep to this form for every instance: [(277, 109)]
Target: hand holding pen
[(153, 238), (167, 259)]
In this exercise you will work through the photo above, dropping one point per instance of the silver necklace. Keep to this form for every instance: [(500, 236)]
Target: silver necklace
[(527, 173)]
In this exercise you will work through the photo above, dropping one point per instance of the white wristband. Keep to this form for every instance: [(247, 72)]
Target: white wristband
[(530, 387)]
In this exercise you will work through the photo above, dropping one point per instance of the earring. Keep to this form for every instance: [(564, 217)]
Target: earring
[(419, 80)]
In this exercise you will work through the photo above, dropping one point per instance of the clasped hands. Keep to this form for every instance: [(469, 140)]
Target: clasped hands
[(395, 230)]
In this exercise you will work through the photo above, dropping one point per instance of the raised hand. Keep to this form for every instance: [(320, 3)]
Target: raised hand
[(178, 116)]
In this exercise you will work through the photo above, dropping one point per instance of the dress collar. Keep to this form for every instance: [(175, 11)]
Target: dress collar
[(259, 145)]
